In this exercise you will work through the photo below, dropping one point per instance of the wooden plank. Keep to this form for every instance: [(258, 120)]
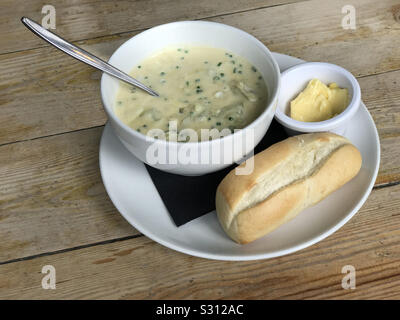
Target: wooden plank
[(51, 93), (313, 31), (56, 181), (52, 196), (381, 93), (141, 269), (77, 20)]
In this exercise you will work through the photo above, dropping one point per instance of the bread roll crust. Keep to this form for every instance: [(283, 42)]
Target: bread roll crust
[(245, 217)]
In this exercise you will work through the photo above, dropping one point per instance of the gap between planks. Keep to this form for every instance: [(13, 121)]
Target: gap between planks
[(50, 253)]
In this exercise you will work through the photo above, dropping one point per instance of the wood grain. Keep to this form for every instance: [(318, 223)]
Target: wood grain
[(142, 269), (381, 93), (313, 31), (78, 20), (52, 196), (45, 92)]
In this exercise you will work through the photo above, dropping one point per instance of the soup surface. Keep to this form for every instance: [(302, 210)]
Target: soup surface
[(199, 88)]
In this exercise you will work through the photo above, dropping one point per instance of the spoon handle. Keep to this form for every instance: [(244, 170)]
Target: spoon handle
[(82, 55)]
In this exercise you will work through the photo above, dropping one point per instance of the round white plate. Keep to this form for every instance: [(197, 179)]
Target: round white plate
[(133, 193)]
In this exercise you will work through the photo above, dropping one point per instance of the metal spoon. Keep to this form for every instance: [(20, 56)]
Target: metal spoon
[(82, 55)]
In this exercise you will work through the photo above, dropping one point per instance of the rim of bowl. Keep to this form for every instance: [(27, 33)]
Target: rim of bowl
[(257, 42), (326, 124)]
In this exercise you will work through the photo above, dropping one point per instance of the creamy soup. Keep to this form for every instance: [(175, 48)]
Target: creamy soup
[(199, 88)]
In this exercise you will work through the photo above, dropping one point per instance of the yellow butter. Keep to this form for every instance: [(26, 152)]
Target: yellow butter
[(318, 102)]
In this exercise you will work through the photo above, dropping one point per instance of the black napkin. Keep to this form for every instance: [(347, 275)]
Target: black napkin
[(188, 198)]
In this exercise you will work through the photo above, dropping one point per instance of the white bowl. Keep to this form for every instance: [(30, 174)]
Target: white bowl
[(205, 33), (295, 79)]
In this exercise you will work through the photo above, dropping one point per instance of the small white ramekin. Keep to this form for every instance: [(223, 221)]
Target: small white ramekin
[(295, 79)]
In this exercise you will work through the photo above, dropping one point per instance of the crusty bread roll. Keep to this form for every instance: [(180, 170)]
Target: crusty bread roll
[(288, 177)]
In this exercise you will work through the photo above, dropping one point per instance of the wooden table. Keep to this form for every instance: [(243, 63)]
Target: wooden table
[(53, 206)]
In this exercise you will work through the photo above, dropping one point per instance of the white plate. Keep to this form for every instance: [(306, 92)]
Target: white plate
[(133, 193)]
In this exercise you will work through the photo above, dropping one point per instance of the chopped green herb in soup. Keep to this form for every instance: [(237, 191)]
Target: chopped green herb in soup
[(199, 87)]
